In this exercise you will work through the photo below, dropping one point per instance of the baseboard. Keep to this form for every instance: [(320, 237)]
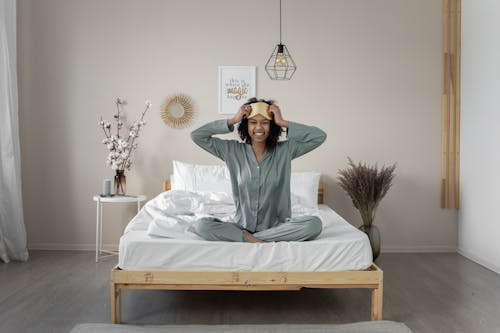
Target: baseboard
[(485, 263), (418, 249), (70, 247)]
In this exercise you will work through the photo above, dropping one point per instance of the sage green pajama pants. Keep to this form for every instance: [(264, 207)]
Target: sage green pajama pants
[(301, 228)]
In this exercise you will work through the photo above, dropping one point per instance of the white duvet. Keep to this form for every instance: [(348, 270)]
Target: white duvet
[(160, 238), (172, 213)]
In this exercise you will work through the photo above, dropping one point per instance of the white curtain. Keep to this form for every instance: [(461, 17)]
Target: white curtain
[(12, 230)]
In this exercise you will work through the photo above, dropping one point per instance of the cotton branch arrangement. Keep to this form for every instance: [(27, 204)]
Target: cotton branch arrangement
[(121, 146)]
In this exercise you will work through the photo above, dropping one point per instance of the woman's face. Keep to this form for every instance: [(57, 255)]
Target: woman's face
[(258, 128)]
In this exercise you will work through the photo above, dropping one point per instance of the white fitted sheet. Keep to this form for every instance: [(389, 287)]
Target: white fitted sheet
[(340, 247)]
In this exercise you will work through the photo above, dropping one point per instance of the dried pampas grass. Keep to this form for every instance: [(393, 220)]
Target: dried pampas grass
[(366, 185)]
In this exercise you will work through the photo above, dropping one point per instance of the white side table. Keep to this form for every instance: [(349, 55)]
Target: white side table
[(98, 228)]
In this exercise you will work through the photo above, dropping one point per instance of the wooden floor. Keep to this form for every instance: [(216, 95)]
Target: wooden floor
[(429, 292)]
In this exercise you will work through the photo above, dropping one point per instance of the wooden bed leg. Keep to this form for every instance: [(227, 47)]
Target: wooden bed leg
[(115, 303), (377, 297)]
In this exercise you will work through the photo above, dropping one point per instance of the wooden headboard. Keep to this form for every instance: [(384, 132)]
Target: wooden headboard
[(321, 190)]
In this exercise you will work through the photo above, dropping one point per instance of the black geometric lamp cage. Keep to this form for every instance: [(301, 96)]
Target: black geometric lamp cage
[(280, 65)]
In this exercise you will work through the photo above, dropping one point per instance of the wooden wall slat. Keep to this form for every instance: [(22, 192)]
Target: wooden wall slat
[(450, 105)]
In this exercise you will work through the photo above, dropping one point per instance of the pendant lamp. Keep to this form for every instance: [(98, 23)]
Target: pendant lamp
[(280, 65)]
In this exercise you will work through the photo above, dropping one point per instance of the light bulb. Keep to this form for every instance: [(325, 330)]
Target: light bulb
[(281, 59)]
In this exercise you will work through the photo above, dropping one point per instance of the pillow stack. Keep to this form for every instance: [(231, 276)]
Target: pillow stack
[(215, 178)]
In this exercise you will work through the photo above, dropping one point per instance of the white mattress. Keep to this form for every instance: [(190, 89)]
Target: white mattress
[(340, 247)]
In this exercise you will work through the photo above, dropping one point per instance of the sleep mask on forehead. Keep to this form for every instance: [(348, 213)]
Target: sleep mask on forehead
[(259, 108)]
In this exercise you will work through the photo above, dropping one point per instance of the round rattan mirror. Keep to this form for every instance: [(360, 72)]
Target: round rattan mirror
[(177, 111)]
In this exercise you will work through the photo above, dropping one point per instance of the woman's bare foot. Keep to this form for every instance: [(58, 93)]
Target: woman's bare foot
[(250, 238)]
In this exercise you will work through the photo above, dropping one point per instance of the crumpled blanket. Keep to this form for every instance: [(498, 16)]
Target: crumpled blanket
[(172, 213)]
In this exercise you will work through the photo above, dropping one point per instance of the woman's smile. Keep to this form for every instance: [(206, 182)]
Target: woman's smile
[(258, 128)]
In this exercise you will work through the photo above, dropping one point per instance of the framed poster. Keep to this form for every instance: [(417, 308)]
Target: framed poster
[(236, 86)]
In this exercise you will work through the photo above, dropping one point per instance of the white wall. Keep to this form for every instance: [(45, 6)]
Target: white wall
[(479, 216), (369, 74)]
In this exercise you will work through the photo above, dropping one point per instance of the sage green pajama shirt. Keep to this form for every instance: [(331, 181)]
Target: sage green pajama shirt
[(261, 190)]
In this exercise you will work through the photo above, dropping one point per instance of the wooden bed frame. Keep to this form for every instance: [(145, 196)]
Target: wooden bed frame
[(371, 278)]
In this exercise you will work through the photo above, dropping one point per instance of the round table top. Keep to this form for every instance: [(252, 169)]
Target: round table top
[(120, 198)]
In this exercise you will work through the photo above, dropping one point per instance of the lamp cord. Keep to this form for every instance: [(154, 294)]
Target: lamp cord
[(280, 23)]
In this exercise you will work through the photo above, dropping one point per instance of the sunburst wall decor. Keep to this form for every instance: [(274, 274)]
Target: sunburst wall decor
[(177, 111)]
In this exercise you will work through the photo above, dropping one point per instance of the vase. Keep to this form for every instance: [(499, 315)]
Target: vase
[(120, 183), (374, 237)]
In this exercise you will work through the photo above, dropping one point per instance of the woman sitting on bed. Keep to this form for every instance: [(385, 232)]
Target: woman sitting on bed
[(260, 169)]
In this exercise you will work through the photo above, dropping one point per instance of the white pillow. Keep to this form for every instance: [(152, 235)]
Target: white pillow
[(201, 178), (182, 177), (304, 189)]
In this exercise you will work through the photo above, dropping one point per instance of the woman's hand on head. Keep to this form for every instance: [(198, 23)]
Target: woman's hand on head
[(242, 113), (275, 111)]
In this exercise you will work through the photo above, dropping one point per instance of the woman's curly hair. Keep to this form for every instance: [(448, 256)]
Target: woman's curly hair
[(274, 129)]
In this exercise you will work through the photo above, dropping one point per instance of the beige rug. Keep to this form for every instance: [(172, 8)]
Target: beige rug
[(362, 327)]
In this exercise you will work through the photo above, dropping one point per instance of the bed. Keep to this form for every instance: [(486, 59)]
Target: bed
[(191, 264)]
